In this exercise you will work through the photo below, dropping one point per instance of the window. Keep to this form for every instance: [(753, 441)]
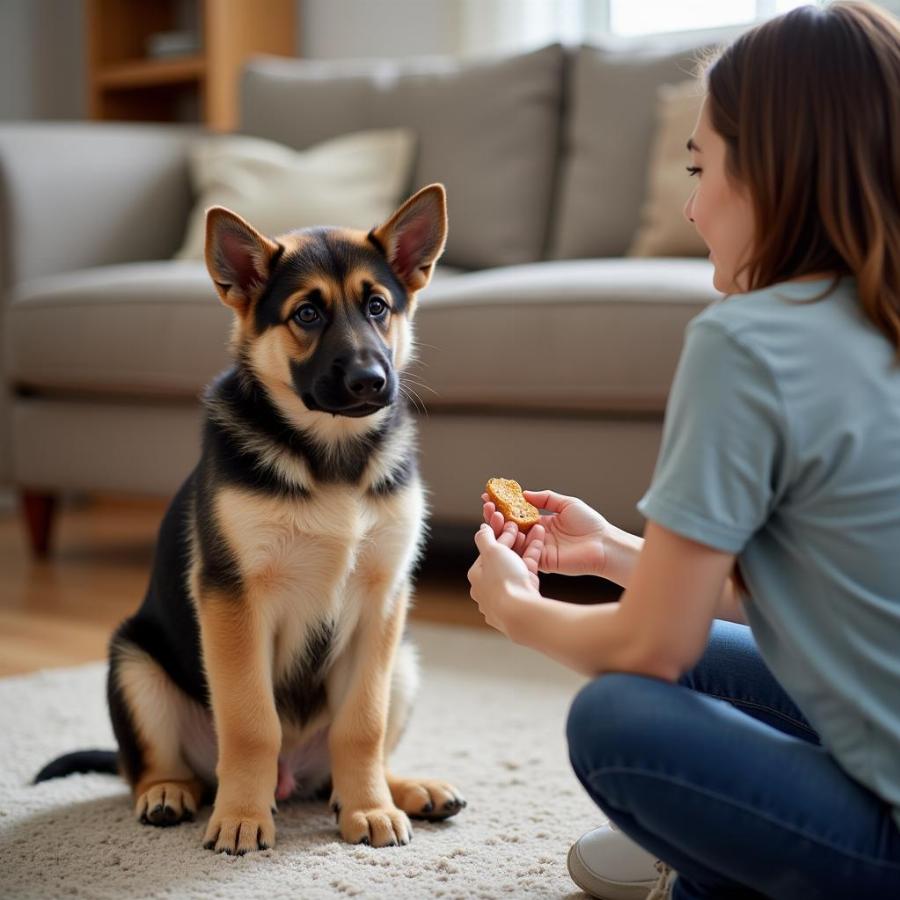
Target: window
[(511, 25), (630, 18)]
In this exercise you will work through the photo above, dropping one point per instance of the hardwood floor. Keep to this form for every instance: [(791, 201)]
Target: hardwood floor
[(61, 611)]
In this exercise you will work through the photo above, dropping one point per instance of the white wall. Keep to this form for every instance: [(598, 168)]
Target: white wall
[(392, 28), (42, 64), (15, 97)]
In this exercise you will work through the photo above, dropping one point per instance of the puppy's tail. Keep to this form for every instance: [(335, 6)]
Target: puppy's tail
[(82, 761)]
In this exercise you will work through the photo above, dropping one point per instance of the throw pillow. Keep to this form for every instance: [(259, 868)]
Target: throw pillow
[(356, 181), (664, 231)]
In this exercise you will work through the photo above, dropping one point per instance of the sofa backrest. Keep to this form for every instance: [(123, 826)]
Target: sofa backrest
[(488, 129), (608, 131)]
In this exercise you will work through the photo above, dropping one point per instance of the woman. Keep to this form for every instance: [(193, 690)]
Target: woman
[(760, 761)]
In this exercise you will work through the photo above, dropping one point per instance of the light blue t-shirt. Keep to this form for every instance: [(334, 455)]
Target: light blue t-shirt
[(782, 445)]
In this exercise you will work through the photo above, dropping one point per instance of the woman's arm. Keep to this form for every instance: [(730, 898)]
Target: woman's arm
[(622, 552), (731, 603), (675, 588)]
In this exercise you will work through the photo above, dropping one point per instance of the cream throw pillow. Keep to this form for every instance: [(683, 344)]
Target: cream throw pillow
[(664, 230), (356, 181)]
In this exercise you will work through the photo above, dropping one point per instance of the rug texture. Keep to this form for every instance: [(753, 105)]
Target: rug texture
[(490, 718)]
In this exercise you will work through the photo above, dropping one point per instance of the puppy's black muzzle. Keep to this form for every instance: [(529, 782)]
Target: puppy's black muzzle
[(367, 384), (347, 386)]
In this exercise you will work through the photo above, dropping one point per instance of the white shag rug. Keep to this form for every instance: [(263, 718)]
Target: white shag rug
[(490, 718)]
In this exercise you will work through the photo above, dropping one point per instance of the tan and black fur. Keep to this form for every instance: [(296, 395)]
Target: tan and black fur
[(268, 656)]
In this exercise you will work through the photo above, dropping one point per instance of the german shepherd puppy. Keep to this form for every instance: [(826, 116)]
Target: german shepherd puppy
[(267, 659)]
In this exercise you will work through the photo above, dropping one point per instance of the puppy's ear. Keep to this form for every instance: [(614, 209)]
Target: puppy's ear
[(238, 257), (413, 238)]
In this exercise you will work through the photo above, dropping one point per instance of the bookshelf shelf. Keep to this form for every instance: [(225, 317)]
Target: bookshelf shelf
[(126, 83)]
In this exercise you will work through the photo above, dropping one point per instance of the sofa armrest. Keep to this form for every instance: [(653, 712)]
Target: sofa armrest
[(76, 195)]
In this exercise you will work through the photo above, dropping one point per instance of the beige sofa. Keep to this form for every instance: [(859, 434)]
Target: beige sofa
[(107, 342)]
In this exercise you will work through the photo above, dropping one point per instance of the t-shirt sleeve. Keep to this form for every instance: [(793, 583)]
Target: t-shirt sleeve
[(724, 441)]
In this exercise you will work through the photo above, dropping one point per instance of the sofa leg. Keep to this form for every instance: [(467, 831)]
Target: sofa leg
[(39, 510)]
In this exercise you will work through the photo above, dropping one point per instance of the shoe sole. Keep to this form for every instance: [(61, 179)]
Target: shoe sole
[(602, 888)]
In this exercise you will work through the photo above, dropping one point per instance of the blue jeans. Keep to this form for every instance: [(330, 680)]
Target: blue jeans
[(721, 777)]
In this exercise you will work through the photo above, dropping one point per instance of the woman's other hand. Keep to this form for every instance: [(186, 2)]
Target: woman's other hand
[(505, 584)]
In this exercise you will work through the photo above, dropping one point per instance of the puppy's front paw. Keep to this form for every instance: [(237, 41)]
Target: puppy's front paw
[(381, 825), (167, 803), (239, 830), (426, 798)]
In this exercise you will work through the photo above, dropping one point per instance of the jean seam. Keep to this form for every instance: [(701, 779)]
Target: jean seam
[(754, 705), (730, 801)]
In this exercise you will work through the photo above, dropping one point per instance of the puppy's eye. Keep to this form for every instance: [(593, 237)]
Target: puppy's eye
[(377, 306), (307, 314)]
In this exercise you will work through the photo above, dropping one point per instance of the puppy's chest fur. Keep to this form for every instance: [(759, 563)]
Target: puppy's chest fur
[(317, 566)]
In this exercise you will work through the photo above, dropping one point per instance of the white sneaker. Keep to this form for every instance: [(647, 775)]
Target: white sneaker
[(662, 890), (610, 866)]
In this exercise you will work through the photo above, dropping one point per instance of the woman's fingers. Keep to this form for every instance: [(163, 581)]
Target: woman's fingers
[(494, 518), (548, 500), (532, 558), (535, 546), (508, 534), (535, 533)]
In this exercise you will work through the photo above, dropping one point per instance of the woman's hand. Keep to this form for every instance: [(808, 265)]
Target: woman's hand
[(503, 583), (573, 536)]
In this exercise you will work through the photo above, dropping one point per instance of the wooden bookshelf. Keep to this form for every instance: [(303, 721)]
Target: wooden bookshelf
[(126, 83), (149, 72)]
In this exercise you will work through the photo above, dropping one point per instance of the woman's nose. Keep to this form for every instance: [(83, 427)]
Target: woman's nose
[(689, 208)]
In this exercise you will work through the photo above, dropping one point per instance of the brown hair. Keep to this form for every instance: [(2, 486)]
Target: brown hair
[(808, 104)]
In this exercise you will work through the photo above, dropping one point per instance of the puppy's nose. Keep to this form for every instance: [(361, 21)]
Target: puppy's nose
[(365, 383)]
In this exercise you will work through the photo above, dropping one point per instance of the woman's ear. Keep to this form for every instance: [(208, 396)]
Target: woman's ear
[(414, 236), (238, 258)]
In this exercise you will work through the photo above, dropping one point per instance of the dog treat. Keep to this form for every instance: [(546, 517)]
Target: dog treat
[(509, 499)]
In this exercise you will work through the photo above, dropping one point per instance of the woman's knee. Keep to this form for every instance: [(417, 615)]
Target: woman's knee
[(612, 717)]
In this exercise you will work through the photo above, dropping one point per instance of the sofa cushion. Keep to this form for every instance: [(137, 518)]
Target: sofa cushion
[(154, 327), (609, 129), (591, 335), (139, 329), (487, 129)]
